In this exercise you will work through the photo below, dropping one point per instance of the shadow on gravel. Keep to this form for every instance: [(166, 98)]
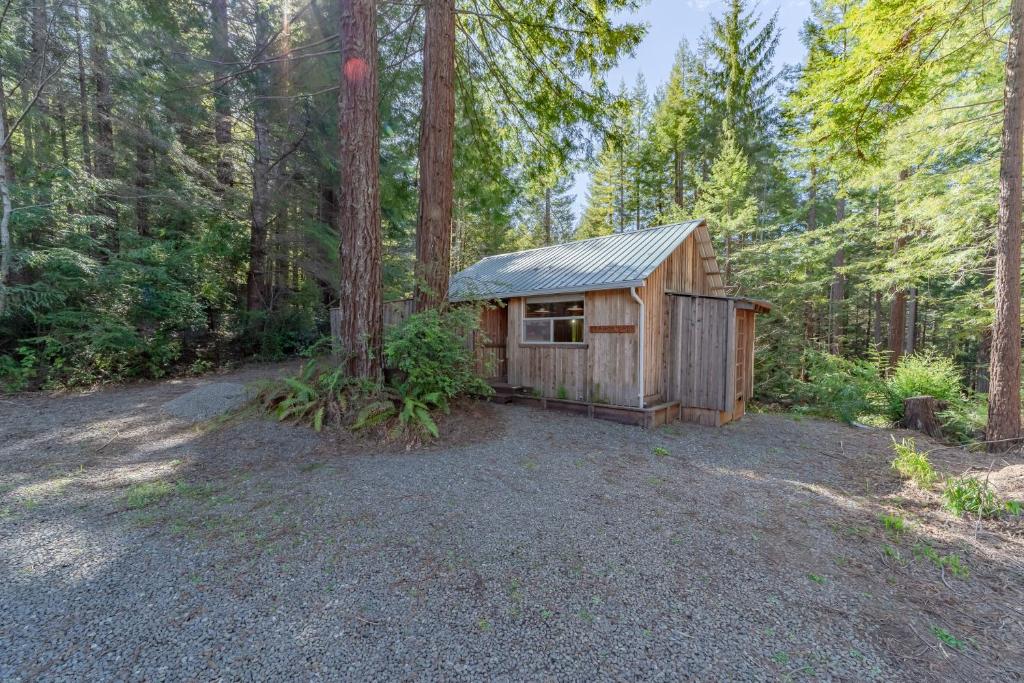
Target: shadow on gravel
[(561, 547)]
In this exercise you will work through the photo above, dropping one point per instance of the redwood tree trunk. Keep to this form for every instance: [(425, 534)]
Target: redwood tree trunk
[(361, 328), (437, 131), (1004, 372)]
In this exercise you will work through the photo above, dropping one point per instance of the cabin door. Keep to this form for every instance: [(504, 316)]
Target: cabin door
[(492, 351)]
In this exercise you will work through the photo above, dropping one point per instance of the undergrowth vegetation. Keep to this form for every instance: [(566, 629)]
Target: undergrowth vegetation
[(913, 464), (429, 364), (962, 495), (859, 391)]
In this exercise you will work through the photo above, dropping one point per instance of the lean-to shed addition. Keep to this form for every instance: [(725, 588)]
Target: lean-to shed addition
[(632, 326)]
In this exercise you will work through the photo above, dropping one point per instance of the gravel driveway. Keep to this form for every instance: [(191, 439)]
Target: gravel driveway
[(137, 546)]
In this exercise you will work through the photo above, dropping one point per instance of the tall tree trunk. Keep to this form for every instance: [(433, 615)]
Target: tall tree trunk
[(256, 281), (222, 92), (910, 333), (359, 196), (39, 63), (837, 293), (436, 155), (143, 180), (1004, 373), (678, 170), (897, 325), (812, 225), (83, 92), (5, 140), (547, 215), (104, 107), (876, 322), (5, 217), (62, 127)]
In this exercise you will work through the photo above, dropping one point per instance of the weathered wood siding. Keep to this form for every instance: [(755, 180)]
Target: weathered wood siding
[(613, 355), (491, 344), (397, 311), (700, 366), (545, 367), (688, 269), (710, 356)]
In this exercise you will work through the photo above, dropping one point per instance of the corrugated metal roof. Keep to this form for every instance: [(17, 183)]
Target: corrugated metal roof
[(610, 262)]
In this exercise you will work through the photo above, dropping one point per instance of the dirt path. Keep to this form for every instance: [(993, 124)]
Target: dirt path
[(134, 545)]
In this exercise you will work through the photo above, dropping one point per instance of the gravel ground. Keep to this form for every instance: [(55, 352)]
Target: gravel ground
[(208, 401), (139, 546)]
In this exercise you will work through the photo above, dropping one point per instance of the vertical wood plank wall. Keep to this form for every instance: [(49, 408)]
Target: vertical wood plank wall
[(684, 270), (710, 355), (613, 356), (492, 344), (545, 368)]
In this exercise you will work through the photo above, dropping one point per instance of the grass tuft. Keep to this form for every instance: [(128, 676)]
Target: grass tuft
[(147, 493), (913, 464)]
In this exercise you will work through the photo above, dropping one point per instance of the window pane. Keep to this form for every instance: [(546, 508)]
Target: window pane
[(538, 310), (554, 309), (569, 331), (567, 309), (537, 331)]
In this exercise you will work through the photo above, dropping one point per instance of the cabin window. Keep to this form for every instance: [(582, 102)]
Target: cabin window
[(553, 322)]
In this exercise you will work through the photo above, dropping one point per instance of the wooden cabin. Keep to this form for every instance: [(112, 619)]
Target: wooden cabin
[(634, 327)]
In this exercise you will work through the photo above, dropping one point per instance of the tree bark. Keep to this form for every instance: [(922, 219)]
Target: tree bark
[(837, 292), (361, 328), (436, 155), (547, 216), (897, 323), (104, 107), (143, 181), (920, 413), (256, 281), (876, 324), (910, 333), (678, 169), (39, 63), (5, 218), (222, 93), (83, 92), (1004, 374), (812, 225), (7, 127)]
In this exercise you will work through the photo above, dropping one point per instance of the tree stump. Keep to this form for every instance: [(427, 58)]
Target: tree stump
[(919, 414)]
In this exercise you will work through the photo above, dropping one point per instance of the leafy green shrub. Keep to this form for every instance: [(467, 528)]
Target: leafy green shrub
[(430, 352), (913, 464), (923, 374), (319, 394), (16, 373), (969, 494), (840, 388)]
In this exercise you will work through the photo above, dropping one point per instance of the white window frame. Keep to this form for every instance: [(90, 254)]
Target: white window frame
[(551, 324)]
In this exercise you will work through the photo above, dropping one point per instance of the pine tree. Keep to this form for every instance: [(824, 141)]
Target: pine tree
[(741, 77), (725, 201)]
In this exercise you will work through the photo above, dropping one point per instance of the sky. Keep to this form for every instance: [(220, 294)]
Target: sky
[(668, 22)]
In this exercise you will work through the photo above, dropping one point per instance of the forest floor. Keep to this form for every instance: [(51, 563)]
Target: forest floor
[(536, 545)]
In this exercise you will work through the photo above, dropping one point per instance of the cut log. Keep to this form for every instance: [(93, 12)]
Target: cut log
[(920, 414)]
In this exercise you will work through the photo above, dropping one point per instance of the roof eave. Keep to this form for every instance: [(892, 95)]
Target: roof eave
[(489, 296)]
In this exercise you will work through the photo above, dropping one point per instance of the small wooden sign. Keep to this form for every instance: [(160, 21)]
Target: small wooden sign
[(612, 329)]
